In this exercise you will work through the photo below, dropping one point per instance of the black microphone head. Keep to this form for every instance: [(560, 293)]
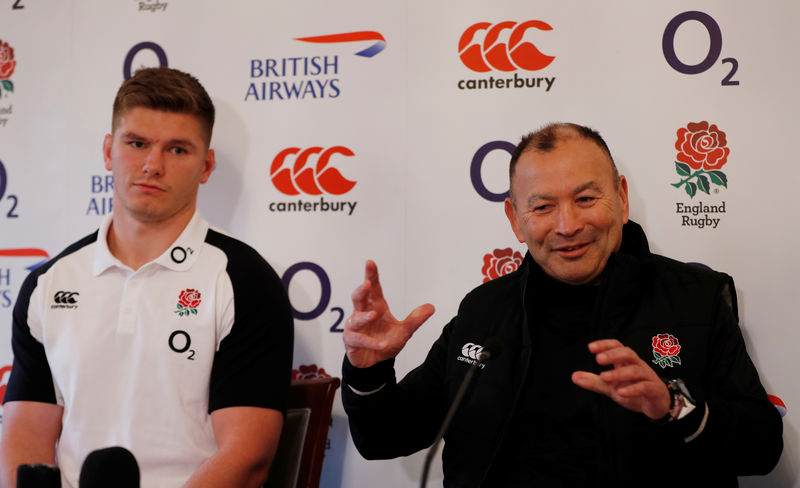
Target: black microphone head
[(38, 476), (491, 349), (112, 466)]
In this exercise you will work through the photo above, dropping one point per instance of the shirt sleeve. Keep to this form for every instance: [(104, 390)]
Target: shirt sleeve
[(31, 379), (253, 364)]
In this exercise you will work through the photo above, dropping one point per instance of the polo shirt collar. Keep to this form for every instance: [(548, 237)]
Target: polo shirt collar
[(180, 256)]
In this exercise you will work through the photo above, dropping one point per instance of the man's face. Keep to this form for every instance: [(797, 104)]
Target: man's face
[(158, 160), (568, 210)]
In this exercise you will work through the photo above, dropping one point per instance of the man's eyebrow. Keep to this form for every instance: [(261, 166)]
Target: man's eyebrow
[(171, 142), (591, 185), (181, 142), (532, 200), (131, 135)]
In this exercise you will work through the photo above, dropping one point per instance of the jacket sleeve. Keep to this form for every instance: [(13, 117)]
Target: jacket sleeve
[(389, 419), (743, 429)]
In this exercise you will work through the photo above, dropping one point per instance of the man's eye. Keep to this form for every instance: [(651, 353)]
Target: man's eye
[(178, 150), (137, 144), (586, 199), (541, 208)]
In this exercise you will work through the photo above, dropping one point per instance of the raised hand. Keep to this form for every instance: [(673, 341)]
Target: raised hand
[(632, 383), (372, 334)]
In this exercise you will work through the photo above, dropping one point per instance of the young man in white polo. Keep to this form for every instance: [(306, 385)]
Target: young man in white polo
[(155, 333)]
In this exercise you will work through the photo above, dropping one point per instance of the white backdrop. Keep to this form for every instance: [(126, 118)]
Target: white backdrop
[(414, 127)]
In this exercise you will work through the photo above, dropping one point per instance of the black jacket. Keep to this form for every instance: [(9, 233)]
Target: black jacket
[(641, 295)]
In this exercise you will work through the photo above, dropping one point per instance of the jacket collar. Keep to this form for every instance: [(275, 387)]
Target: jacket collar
[(620, 286)]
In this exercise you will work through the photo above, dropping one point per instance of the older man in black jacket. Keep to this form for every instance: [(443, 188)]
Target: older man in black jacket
[(621, 366)]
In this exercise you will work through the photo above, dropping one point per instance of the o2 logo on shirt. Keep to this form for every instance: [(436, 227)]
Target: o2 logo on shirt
[(714, 48), (180, 341), (475, 169), (324, 298)]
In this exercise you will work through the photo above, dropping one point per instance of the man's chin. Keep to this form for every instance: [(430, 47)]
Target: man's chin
[(575, 277)]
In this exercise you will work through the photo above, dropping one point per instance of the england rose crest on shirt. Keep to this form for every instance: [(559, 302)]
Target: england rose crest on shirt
[(188, 301), (665, 350)]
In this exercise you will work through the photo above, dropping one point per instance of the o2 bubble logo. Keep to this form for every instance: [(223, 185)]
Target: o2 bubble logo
[(127, 69), (324, 298), (12, 198), (714, 49), (477, 165)]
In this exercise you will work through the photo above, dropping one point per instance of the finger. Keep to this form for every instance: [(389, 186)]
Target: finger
[(601, 345), (417, 317), (355, 339), (360, 296), (371, 275), (640, 389), (630, 373), (358, 320), (591, 382), (618, 356)]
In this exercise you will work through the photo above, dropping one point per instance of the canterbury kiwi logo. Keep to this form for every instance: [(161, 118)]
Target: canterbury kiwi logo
[(472, 351), (66, 297), (311, 179), (503, 56)]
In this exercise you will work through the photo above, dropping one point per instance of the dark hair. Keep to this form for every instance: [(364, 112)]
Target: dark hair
[(168, 90), (545, 139)]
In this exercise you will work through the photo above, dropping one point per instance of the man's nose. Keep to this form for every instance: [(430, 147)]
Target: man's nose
[(569, 220), (154, 163)]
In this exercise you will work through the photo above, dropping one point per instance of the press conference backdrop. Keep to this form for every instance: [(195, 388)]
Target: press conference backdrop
[(352, 130)]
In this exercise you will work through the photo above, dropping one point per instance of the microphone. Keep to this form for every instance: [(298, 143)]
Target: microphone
[(112, 466), (38, 476), (492, 349)]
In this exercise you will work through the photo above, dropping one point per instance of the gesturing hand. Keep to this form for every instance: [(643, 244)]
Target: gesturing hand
[(632, 383), (372, 334)]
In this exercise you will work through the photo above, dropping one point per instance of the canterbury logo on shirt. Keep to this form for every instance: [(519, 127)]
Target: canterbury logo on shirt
[(470, 352), (65, 299)]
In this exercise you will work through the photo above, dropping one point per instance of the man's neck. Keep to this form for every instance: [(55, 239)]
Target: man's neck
[(136, 243)]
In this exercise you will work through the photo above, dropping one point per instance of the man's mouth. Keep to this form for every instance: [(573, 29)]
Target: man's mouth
[(572, 250), (148, 188)]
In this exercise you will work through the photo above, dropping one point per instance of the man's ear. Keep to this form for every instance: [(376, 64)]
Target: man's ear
[(511, 213), (107, 150), (208, 166), (623, 198)]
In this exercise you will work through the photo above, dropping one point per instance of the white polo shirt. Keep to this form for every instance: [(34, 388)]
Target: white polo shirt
[(140, 358)]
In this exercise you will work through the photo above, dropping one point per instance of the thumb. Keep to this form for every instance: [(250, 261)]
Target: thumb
[(418, 316)]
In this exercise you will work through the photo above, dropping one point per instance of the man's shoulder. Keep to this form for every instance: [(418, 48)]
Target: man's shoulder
[(694, 285), (685, 273), (68, 252), (501, 289), (242, 260), (236, 251)]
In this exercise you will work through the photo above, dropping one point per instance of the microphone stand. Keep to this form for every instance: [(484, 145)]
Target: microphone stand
[(462, 390)]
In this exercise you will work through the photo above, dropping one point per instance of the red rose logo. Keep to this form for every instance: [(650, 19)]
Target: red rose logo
[(7, 65), (665, 350), (499, 263), (702, 151), (7, 62), (308, 372), (188, 301), (4, 381)]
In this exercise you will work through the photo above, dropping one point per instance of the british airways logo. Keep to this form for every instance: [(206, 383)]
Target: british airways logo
[(369, 52), (27, 252), (307, 77)]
